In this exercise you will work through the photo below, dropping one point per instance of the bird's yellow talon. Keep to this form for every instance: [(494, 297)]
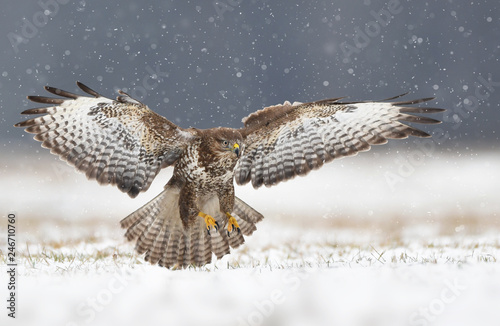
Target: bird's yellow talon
[(232, 224), (209, 221)]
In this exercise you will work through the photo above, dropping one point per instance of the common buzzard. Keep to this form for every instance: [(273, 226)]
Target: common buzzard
[(123, 143)]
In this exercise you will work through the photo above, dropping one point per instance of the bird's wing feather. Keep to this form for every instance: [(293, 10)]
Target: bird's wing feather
[(120, 142), (287, 140)]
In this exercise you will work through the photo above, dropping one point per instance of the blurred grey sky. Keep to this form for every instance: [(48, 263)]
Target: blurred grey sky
[(210, 63)]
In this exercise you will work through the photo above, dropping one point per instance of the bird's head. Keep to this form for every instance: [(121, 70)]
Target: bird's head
[(230, 145), (226, 143)]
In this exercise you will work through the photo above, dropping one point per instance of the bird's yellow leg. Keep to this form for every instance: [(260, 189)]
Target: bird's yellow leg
[(209, 221), (232, 224)]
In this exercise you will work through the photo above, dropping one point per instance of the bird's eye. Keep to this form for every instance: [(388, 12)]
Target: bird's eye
[(225, 143)]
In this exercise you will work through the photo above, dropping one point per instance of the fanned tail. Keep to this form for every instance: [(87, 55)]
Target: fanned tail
[(161, 236)]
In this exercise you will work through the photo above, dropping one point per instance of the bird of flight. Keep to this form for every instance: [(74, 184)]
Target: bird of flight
[(122, 142)]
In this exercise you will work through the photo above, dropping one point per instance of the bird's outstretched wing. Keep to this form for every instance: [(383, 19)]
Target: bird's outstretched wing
[(120, 142), (283, 141)]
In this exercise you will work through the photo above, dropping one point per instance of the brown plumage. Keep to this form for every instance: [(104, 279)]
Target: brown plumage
[(123, 143)]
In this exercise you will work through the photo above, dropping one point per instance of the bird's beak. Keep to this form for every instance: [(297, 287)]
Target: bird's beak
[(236, 149)]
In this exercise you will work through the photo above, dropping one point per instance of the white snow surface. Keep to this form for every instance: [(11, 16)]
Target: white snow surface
[(339, 247)]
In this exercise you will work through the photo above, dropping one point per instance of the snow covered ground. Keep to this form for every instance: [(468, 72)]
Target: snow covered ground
[(379, 239)]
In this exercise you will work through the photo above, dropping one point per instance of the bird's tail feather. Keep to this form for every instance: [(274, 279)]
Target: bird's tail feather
[(160, 234)]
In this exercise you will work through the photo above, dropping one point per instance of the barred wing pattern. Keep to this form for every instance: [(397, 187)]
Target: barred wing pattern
[(119, 142), (287, 140)]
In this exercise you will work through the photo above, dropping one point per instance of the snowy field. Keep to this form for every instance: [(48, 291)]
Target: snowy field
[(371, 240)]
